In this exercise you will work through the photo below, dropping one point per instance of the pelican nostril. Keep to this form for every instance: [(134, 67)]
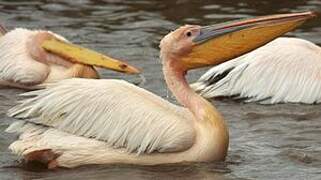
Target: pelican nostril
[(123, 66)]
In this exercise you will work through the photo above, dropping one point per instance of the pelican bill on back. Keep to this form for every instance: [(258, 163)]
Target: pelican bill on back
[(31, 58), (80, 121), (286, 70)]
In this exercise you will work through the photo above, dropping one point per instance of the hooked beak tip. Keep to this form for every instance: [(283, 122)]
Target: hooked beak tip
[(132, 70)]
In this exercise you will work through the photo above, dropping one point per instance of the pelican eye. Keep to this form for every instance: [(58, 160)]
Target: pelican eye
[(189, 34)]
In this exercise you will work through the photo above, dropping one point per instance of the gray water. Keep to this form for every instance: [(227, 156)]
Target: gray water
[(266, 142)]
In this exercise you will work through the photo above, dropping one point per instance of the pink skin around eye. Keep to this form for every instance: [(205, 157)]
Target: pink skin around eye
[(41, 55)]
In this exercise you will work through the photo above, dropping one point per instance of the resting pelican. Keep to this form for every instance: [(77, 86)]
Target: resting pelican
[(79, 121), (286, 70), (31, 58)]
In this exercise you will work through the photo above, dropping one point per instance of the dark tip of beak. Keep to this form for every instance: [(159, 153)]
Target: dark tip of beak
[(213, 31)]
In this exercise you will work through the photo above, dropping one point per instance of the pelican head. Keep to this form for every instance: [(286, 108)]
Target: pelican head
[(199, 46), (32, 58)]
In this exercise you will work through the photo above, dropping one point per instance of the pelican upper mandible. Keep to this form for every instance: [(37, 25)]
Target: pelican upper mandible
[(81, 121), (31, 58), (286, 70)]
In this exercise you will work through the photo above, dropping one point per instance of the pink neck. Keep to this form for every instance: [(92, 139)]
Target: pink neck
[(213, 127), (176, 81)]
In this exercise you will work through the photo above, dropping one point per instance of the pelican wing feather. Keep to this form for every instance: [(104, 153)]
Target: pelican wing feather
[(287, 70), (113, 111)]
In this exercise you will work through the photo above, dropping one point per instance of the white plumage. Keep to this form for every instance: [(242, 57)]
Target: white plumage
[(287, 70), (72, 150), (18, 67), (100, 111)]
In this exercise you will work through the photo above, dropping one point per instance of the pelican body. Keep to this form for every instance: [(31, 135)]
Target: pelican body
[(286, 70), (31, 58), (80, 121)]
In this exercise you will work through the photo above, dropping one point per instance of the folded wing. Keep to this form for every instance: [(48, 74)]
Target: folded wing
[(113, 111)]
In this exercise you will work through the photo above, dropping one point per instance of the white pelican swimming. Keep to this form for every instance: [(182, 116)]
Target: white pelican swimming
[(80, 121), (31, 58), (286, 70)]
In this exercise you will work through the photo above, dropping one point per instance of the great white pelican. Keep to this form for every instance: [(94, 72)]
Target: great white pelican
[(80, 121), (31, 58), (286, 70)]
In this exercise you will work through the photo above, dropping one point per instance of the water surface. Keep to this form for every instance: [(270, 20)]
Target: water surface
[(266, 142)]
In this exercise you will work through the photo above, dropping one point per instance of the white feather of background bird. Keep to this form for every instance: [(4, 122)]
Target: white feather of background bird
[(286, 70), (18, 67)]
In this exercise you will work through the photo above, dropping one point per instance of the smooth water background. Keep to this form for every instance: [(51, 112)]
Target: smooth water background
[(266, 142)]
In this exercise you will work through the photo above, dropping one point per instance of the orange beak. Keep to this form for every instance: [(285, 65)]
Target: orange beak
[(219, 43), (78, 54)]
